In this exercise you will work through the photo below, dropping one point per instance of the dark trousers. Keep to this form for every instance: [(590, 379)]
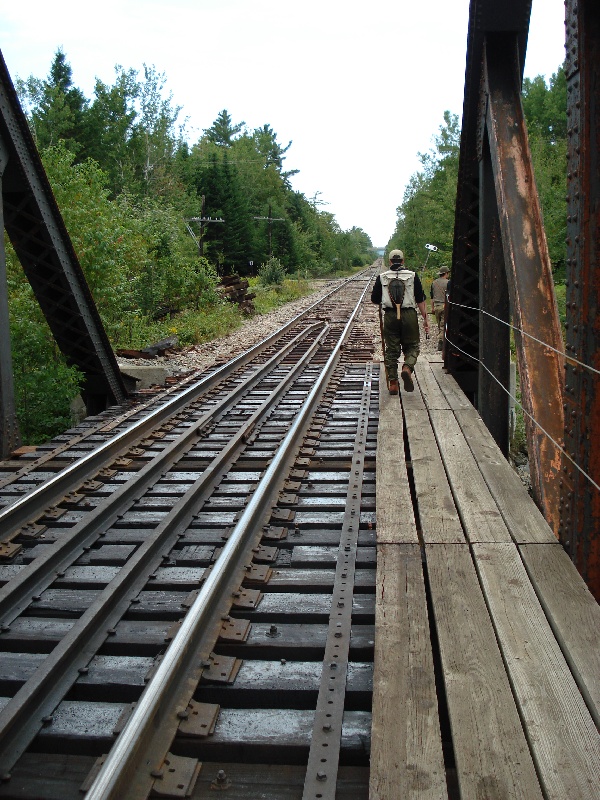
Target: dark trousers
[(400, 336)]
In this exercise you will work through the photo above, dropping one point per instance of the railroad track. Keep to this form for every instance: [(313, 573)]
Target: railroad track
[(187, 601)]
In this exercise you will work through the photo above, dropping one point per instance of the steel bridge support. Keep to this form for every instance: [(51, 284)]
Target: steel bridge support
[(580, 508), (501, 271), (40, 239), (529, 272)]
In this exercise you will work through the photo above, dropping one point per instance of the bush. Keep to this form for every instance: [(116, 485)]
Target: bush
[(272, 273)]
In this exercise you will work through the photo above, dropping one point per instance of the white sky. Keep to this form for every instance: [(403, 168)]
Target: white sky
[(360, 87)]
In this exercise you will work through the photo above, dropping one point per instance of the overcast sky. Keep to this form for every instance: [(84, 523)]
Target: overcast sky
[(359, 87)]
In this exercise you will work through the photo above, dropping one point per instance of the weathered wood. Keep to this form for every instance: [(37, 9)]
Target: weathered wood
[(327, 556), (478, 511), (562, 734), (300, 607), (429, 388), (573, 614), (289, 684), (406, 746), (439, 518), (56, 777), (49, 775), (315, 580), (522, 517), (298, 641), (491, 753), (395, 517)]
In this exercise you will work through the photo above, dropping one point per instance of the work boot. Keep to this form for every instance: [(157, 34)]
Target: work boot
[(407, 380), (393, 387), (440, 345)]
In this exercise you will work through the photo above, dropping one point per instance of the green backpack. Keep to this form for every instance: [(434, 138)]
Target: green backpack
[(396, 289)]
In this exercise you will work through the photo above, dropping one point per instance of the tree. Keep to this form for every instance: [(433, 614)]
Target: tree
[(265, 141), (426, 214), (222, 131), (58, 107)]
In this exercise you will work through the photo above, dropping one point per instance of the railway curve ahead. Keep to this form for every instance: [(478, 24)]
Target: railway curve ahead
[(187, 587)]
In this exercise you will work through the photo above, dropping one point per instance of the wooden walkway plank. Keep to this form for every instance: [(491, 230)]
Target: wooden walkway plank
[(429, 387), (406, 747), (440, 522), (522, 517), (573, 614), (478, 511), (492, 755), (456, 398), (395, 517), (562, 735)]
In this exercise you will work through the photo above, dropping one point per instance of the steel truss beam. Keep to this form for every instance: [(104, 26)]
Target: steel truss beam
[(40, 239), (580, 510), (501, 266), (528, 269)]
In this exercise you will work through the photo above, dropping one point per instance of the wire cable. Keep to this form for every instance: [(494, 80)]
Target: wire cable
[(567, 358), (535, 422)]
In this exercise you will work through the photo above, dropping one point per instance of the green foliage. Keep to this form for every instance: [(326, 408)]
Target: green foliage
[(44, 384), (222, 131), (271, 297), (128, 183), (271, 272), (426, 214)]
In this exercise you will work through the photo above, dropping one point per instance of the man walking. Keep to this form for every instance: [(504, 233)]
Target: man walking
[(438, 299), (400, 293)]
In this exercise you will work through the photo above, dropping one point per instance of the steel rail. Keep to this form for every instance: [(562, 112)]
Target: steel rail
[(326, 737), (30, 506), (126, 772), (34, 702), (16, 594)]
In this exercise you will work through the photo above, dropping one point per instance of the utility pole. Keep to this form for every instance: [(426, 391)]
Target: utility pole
[(203, 221), (271, 219)]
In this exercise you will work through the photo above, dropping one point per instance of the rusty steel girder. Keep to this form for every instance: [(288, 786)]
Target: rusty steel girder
[(500, 268), (580, 509), (529, 272)]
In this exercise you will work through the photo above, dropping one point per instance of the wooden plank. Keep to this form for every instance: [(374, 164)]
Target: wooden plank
[(563, 738), (440, 522), (573, 614), (491, 752), (406, 747), (395, 520), (432, 394), (479, 514), (522, 517), (457, 399)]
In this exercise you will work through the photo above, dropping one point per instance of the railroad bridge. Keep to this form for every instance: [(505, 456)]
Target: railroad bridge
[(253, 582)]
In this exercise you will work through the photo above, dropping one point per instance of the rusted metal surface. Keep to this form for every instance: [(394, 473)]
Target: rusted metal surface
[(462, 350), (509, 238), (580, 512), (326, 738), (527, 263)]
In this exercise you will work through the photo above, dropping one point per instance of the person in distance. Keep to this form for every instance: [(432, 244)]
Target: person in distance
[(399, 292)]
